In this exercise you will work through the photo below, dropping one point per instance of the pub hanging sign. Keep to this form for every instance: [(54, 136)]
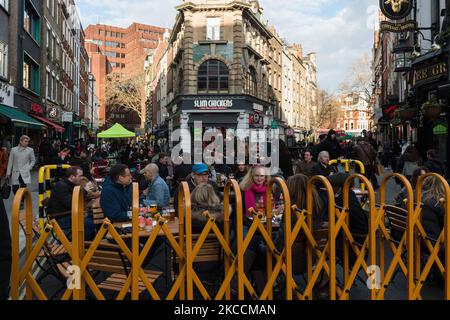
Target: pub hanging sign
[(396, 9), (429, 73)]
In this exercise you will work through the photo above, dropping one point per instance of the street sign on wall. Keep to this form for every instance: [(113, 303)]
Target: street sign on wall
[(67, 117)]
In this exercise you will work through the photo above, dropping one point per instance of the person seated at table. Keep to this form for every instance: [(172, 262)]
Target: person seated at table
[(241, 171), (60, 202), (116, 196), (157, 190), (305, 166), (400, 198), (199, 174), (204, 198), (92, 191), (322, 167), (254, 187)]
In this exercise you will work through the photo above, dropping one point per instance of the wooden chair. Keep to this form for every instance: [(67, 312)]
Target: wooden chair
[(97, 216), (110, 259), (210, 257)]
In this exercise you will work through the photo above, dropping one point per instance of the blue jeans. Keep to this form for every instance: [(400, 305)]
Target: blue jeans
[(89, 228)]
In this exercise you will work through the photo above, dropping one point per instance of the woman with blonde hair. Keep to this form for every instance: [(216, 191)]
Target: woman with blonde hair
[(432, 210), (254, 186), (204, 198)]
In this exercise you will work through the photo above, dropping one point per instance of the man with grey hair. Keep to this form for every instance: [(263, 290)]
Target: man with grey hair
[(322, 168), (157, 191)]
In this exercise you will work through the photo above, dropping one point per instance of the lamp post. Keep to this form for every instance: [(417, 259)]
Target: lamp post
[(91, 86)]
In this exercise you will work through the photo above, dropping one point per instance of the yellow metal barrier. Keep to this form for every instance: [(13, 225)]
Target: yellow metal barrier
[(421, 237), (405, 243), (19, 275), (369, 243), (319, 259), (347, 163)]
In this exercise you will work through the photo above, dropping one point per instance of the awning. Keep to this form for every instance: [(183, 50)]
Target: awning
[(57, 127), (20, 118)]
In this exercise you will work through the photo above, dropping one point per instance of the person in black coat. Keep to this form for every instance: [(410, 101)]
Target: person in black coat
[(331, 145), (285, 160), (60, 202), (5, 253), (322, 168), (434, 164)]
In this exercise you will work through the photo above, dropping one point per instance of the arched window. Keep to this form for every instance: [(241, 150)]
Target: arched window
[(212, 77), (250, 82)]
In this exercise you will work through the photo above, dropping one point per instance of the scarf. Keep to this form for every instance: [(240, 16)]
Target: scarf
[(250, 199)]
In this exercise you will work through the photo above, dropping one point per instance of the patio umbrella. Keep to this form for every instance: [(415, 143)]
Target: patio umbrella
[(116, 131)]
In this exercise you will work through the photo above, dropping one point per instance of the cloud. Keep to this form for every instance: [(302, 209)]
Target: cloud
[(337, 30)]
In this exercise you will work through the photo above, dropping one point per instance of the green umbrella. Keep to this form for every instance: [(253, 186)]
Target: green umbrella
[(116, 131)]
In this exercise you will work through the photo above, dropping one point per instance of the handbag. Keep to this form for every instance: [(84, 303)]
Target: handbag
[(5, 190)]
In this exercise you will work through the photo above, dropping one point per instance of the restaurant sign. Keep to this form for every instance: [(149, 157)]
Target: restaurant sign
[(213, 104), (432, 72)]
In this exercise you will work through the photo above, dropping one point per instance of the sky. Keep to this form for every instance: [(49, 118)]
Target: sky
[(339, 31)]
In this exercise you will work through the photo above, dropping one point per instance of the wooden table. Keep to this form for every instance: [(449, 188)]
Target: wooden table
[(171, 224)]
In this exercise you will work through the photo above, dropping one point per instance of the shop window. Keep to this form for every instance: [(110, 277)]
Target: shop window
[(212, 77)]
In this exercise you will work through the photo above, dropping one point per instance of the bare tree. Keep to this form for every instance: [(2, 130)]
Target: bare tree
[(359, 80), (126, 94), (327, 110)]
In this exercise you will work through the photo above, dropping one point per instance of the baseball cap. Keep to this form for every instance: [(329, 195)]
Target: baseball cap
[(200, 168)]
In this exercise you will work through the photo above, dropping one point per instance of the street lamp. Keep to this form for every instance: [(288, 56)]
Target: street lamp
[(91, 85), (403, 56)]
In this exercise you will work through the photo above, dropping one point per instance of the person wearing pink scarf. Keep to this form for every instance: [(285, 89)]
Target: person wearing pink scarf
[(254, 186)]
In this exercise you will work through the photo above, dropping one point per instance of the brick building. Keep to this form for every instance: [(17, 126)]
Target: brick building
[(119, 53)]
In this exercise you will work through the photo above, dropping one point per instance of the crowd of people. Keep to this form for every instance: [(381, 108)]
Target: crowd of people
[(159, 179)]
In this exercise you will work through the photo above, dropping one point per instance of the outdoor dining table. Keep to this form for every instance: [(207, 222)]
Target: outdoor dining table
[(171, 224)]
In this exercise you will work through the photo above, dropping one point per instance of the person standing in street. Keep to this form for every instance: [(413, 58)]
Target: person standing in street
[(21, 161)]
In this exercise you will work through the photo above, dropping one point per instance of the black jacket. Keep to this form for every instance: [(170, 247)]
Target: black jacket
[(320, 170), (61, 198), (5, 253), (432, 218), (436, 166)]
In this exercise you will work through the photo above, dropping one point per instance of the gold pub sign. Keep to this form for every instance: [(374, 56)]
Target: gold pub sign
[(430, 72)]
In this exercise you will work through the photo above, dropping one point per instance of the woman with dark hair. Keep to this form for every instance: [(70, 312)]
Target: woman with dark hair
[(285, 160), (400, 198)]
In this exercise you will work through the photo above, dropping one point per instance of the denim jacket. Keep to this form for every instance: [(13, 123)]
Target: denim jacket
[(158, 191)]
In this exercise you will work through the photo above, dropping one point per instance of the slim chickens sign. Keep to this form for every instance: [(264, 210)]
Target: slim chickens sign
[(396, 9)]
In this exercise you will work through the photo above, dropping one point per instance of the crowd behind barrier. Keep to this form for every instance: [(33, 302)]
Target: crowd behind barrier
[(418, 246)]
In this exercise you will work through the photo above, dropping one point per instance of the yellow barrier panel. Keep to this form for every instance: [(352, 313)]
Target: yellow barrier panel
[(369, 244), (406, 242), (18, 275), (347, 163), (422, 237)]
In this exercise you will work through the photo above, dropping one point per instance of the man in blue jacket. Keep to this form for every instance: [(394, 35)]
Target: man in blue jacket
[(116, 197), (157, 190)]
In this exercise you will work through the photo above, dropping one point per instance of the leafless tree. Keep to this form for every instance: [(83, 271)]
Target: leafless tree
[(359, 79), (126, 94), (327, 110)]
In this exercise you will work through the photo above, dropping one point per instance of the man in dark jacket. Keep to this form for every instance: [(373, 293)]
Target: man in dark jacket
[(434, 164), (322, 167), (200, 174), (60, 202), (116, 197), (5, 253)]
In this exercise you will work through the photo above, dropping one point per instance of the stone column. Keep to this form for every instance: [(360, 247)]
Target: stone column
[(190, 77), (236, 84)]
